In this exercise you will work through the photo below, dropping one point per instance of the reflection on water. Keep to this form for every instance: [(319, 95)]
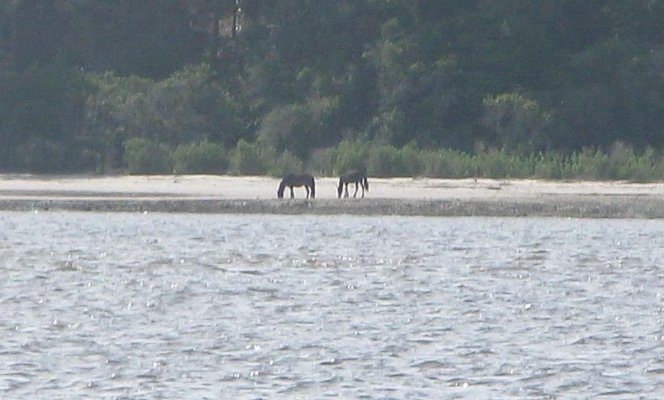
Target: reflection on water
[(218, 306)]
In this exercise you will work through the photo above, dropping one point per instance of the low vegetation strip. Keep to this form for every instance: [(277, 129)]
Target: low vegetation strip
[(620, 162), (573, 206)]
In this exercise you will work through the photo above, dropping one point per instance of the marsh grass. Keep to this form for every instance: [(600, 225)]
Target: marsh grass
[(620, 162)]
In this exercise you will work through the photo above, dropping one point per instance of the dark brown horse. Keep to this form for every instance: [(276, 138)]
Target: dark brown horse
[(359, 178), (297, 180)]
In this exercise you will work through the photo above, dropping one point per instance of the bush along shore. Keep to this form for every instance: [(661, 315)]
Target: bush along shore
[(620, 162)]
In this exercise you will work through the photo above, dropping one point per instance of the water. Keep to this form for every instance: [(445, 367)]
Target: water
[(154, 306)]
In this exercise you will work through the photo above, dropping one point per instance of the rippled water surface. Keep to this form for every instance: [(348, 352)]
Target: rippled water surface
[(249, 307)]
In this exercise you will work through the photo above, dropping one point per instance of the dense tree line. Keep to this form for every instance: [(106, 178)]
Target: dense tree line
[(89, 84)]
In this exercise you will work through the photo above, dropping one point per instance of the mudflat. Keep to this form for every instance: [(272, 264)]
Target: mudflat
[(386, 196)]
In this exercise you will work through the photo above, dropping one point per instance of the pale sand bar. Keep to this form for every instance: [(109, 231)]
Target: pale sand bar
[(396, 196)]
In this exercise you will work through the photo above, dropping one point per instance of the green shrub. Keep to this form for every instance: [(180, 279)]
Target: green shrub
[(285, 163), (590, 164), (323, 161), (410, 161), (549, 166), (387, 160), (645, 167), (147, 157), (520, 123), (497, 164), (251, 159), (47, 156), (200, 158), (41, 156), (384, 161), (446, 163), (351, 155), (626, 164)]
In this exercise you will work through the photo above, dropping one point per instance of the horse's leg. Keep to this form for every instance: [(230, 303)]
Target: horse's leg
[(292, 194), (307, 188), (362, 186), (355, 194), (346, 186)]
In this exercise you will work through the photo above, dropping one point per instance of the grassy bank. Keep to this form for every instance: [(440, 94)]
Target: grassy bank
[(621, 162)]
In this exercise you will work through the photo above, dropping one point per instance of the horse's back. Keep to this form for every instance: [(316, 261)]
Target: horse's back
[(298, 180), (353, 176)]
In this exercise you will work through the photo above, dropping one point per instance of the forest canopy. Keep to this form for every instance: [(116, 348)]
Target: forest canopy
[(255, 86)]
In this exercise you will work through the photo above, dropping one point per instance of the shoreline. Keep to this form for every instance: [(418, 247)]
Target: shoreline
[(568, 207), (395, 196)]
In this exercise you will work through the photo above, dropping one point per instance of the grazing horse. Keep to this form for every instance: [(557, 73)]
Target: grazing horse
[(292, 180), (359, 178)]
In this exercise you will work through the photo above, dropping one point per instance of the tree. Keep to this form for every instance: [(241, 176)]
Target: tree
[(519, 123), (149, 38)]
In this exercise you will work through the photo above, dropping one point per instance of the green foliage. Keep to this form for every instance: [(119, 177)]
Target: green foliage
[(549, 87), (257, 159), (621, 163), (347, 155), (285, 163), (519, 123), (297, 127), (186, 107), (40, 116), (190, 105), (589, 164), (117, 105), (446, 163), (387, 160), (145, 156), (200, 158), (251, 159), (45, 156), (146, 38)]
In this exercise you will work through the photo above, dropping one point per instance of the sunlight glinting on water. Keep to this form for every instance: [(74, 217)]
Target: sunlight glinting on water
[(237, 306)]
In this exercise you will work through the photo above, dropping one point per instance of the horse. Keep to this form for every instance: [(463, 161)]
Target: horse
[(359, 178), (293, 180)]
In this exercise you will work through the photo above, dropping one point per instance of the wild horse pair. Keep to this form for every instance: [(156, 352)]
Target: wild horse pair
[(359, 178)]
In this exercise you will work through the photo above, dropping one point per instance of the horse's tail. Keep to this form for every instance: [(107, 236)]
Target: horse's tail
[(365, 181), (280, 191), (340, 189)]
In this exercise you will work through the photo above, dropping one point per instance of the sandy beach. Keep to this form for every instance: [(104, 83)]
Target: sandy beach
[(395, 196)]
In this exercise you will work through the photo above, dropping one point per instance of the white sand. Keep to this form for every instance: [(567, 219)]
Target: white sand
[(397, 196), (252, 187)]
